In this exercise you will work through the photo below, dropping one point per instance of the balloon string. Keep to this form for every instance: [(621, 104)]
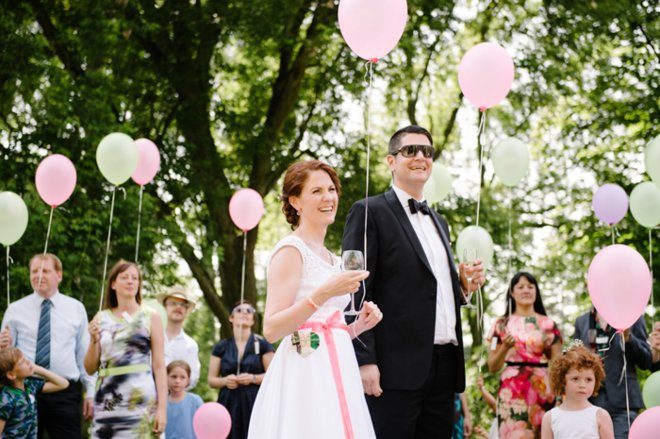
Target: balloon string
[(43, 260), (8, 259), (612, 230), (137, 238), (107, 247), (370, 74), (651, 265), (510, 243), (238, 363), (624, 376), (482, 127)]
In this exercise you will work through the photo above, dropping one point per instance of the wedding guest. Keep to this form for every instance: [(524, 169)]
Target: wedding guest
[(239, 384), (50, 328), (181, 405), (127, 351), (523, 342)]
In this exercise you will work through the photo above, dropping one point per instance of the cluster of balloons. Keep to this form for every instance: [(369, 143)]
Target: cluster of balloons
[(610, 204), (119, 158)]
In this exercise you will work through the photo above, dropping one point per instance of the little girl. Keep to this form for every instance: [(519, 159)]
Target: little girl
[(181, 405), (18, 408), (576, 375)]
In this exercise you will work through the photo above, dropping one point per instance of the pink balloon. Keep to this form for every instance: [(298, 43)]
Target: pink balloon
[(246, 208), (485, 74), (148, 162), (646, 425), (211, 421), (619, 283), (372, 28), (55, 179)]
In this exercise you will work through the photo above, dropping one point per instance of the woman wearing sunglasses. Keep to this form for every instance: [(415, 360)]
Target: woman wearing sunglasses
[(239, 382)]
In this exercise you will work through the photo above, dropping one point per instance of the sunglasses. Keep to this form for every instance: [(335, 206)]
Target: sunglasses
[(409, 151), (244, 310)]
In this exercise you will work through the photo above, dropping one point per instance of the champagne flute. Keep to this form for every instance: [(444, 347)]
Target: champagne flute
[(469, 256), (352, 260)]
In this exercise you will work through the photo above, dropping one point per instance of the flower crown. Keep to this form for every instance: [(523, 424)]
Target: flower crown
[(574, 344)]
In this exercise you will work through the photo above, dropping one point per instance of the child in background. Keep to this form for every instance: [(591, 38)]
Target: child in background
[(577, 375), (18, 408), (181, 405)]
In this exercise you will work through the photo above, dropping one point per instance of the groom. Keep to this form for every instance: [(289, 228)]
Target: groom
[(412, 363)]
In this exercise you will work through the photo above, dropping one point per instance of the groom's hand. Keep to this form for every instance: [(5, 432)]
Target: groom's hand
[(371, 379)]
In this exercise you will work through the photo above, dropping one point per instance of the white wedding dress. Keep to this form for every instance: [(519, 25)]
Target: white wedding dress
[(300, 397)]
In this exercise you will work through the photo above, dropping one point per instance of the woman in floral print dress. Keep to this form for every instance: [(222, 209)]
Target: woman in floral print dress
[(524, 342), (126, 348)]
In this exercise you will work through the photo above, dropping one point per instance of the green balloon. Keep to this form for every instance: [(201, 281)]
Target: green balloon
[(474, 242), (652, 160), (510, 160), (651, 392), (13, 218), (439, 184), (645, 204), (117, 157)]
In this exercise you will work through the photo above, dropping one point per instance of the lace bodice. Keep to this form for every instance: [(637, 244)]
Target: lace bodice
[(315, 272)]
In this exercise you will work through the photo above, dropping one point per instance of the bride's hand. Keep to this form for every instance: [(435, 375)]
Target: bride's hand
[(343, 283), (370, 315)]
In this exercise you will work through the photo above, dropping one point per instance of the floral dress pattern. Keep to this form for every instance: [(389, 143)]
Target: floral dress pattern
[(125, 400), (525, 394)]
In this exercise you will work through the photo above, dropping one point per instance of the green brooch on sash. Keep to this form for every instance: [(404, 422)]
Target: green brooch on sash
[(306, 341)]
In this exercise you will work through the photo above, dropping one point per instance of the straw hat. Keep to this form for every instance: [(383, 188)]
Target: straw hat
[(179, 292)]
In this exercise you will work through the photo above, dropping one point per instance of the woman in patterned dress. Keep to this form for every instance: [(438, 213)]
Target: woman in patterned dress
[(126, 348), (524, 341)]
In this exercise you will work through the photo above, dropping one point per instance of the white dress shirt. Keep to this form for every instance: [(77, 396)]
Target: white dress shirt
[(183, 347), (436, 254), (69, 337)]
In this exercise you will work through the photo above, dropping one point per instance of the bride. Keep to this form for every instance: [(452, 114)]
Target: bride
[(312, 388)]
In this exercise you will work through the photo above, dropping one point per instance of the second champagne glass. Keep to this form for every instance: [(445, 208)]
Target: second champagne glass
[(352, 260)]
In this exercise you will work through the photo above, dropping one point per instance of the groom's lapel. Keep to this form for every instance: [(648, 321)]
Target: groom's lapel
[(401, 215)]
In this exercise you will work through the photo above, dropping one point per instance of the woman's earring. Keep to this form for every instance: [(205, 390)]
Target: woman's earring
[(299, 212)]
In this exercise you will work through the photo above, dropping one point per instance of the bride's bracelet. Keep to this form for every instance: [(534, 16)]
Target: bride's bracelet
[(312, 303)]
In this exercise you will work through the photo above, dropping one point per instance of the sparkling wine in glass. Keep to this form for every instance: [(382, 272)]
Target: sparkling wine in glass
[(469, 257), (352, 260)]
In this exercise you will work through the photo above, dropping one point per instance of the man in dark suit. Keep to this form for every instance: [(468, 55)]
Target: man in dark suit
[(596, 334), (412, 363)]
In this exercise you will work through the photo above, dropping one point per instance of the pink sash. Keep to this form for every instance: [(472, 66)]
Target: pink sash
[(333, 322)]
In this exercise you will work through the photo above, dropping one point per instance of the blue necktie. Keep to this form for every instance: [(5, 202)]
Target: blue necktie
[(42, 356)]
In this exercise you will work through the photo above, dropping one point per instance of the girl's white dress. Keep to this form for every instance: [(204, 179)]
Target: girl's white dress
[(300, 397), (568, 424)]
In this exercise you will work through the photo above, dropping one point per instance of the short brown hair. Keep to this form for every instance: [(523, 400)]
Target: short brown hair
[(57, 264), (8, 359), (178, 363), (395, 140), (117, 269), (294, 181), (579, 358)]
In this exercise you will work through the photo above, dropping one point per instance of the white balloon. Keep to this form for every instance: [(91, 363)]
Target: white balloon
[(117, 157), (439, 184), (474, 242), (510, 160), (652, 160)]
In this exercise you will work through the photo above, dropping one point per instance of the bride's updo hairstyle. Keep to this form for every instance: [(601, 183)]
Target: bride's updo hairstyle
[(294, 181)]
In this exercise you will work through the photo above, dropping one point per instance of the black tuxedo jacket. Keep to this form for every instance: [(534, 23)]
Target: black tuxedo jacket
[(402, 284)]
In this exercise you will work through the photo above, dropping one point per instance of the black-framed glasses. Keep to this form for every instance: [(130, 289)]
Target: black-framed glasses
[(412, 150)]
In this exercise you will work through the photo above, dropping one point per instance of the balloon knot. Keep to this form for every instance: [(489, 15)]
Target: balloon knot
[(374, 60), (619, 331), (482, 109)]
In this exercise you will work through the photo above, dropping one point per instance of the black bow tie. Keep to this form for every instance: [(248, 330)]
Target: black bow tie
[(419, 206)]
